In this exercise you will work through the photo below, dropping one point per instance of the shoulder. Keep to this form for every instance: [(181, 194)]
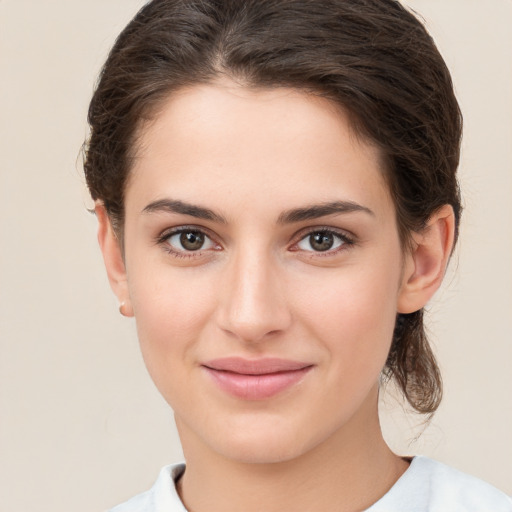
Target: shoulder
[(458, 491), (430, 486), (162, 497)]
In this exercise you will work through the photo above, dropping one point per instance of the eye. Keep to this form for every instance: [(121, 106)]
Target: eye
[(189, 240), (322, 241)]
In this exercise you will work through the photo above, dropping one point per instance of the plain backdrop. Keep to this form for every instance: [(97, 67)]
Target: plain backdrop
[(81, 425)]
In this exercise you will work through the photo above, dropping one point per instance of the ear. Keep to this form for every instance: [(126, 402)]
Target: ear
[(426, 263), (113, 258)]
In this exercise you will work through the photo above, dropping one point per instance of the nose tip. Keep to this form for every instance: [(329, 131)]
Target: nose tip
[(250, 332), (254, 306)]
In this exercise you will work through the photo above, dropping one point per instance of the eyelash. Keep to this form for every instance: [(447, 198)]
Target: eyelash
[(346, 241), (163, 240)]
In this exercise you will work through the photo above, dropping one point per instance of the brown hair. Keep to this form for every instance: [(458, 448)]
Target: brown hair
[(372, 57)]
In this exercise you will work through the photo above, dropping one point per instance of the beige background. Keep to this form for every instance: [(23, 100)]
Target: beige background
[(81, 426)]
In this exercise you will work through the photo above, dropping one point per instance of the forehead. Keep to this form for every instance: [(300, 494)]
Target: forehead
[(276, 146)]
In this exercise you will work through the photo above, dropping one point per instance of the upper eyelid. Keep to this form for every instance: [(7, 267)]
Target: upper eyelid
[(168, 232), (343, 233)]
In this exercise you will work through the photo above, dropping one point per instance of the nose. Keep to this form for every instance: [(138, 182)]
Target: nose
[(253, 305)]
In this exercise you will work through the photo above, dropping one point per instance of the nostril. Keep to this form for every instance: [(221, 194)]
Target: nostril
[(258, 329)]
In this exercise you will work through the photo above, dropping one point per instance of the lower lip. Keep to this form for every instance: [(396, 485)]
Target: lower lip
[(256, 387)]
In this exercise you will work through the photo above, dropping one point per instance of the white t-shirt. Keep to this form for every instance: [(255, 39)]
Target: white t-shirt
[(426, 486)]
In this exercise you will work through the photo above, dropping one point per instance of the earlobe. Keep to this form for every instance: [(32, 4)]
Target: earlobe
[(426, 263), (113, 259)]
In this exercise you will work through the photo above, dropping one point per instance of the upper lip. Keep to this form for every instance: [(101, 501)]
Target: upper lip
[(255, 366)]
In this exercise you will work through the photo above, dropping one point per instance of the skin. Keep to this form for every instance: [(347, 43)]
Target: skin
[(258, 289)]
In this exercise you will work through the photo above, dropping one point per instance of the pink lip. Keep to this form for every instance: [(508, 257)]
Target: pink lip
[(256, 379)]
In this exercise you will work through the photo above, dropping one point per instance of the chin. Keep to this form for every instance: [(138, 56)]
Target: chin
[(264, 442), (260, 451)]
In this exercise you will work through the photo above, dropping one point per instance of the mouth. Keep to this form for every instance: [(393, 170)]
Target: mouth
[(257, 379)]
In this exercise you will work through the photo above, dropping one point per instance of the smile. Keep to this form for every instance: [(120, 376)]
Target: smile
[(255, 379)]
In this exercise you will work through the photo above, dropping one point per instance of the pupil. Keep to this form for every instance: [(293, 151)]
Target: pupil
[(321, 241), (192, 240)]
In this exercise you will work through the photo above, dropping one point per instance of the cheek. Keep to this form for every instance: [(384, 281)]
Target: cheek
[(352, 312), (172, 309)]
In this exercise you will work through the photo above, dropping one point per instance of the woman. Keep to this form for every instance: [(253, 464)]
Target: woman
[(275, 184)]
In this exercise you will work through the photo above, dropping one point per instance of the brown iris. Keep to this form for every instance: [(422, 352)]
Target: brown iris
[(321, 241), (192, 240)]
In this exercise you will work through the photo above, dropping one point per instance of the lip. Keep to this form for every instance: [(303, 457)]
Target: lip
[(255, 379)]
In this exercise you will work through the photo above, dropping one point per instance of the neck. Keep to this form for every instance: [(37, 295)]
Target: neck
[(349, 471)]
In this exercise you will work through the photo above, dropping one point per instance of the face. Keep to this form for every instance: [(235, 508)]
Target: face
[(264, 269)]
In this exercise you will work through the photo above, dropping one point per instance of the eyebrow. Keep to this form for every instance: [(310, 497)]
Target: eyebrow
[(175, 206), (316, 211)]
